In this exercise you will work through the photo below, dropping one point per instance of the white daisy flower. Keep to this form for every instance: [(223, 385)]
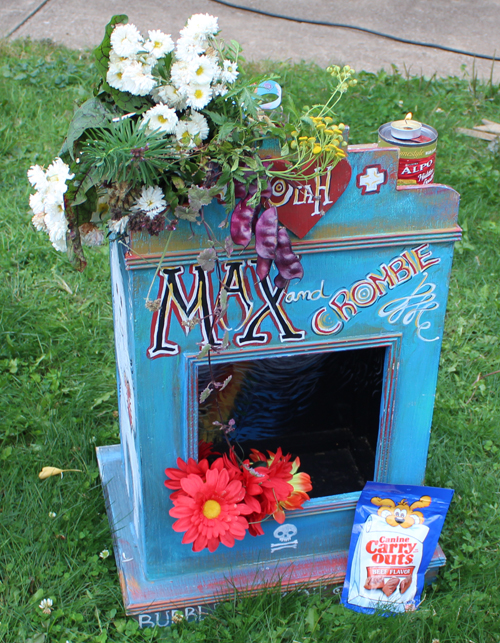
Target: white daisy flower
[(201, 25), (37, 177), (126, 40), (38, 221), (52, 514), (197, 125), (171, 96), (114, 58), (201, 70), (136, 81), (57, 174), (229, 72), (160, 118), (152, 201), (114, 77), (57, 225), (179, 75), (37, 203), (104, 554), (159, 44), (219, 89), (188, 48), (119, 226), (183, 136), (198, 96)]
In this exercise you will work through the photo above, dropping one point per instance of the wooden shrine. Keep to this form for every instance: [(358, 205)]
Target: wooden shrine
[(352, 351)]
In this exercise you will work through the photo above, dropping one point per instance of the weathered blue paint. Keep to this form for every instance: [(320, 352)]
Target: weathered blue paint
[(376, 269)]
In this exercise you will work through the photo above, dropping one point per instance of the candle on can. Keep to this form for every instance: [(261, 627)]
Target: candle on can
[(407, 129), (417, 145)]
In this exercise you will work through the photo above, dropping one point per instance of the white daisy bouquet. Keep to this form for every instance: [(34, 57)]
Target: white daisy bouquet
[(170, 127)]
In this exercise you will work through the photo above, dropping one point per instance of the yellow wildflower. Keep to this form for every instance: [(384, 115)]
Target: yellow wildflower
[(312, 139), (320, 125), (316, 149), (302, 138)]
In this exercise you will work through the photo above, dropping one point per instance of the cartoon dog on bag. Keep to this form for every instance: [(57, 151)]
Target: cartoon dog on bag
[(402, 514)]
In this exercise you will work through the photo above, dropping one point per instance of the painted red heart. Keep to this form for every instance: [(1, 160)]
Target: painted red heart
[(298, 209)]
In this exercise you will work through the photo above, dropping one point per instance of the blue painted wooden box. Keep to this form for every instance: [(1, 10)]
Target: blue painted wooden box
[(359, 337)]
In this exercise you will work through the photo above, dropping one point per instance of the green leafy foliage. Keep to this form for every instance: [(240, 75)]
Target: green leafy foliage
[(89, 115), (101, 52)]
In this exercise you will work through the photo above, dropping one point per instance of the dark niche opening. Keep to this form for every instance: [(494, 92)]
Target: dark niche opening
[(322, 407)]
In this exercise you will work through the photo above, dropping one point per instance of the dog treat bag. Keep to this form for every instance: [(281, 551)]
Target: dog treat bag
[(395, 533)]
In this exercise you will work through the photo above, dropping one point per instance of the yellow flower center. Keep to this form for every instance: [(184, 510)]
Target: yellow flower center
[(211, 509), (199, 71), (198, 93), (161, 119)]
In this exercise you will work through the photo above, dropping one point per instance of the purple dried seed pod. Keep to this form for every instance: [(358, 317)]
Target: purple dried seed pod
[(263, 267), (252, 188), (266, 233), (241, 223), (240, 190), (286, 260), (280, 282)]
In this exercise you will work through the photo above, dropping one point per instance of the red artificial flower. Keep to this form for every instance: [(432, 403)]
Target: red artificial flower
[(301, 483), (286, 488), (205, 450), (276, 487), (185, 469), (211, 511)]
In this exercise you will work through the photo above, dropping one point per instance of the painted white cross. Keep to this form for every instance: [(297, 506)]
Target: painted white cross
[(372, 179)]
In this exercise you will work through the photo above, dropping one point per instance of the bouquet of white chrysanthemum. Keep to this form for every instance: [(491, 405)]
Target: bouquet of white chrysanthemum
[(170, 127)]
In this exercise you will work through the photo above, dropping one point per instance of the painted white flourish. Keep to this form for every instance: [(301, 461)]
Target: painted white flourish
[(411, 308)]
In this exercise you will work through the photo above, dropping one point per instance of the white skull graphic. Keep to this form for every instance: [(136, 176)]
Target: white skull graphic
[(285, 533)]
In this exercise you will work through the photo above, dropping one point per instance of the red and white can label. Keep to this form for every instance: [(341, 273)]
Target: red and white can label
[(417, 171)]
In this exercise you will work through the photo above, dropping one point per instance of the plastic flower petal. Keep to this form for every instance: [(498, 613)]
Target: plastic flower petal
[(184, 469), (210, 512)]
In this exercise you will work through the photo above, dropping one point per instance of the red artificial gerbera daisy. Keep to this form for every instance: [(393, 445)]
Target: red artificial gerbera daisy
[(277, 486), (185, 469), (210, 512)]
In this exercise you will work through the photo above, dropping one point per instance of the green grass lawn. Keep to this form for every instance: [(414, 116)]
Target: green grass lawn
[(58, 393)]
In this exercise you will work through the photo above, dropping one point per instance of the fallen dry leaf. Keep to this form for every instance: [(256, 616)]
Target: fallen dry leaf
[(47, 472)]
